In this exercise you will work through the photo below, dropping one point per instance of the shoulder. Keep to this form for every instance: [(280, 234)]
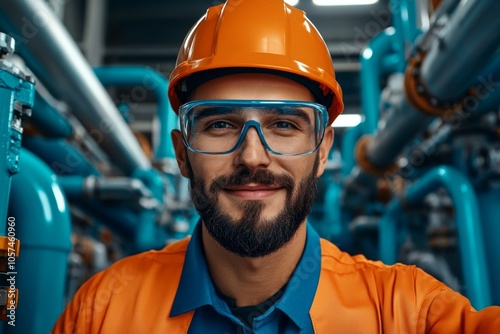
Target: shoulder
[(342, 262), (111, 300), (376, 273), (136, 269)]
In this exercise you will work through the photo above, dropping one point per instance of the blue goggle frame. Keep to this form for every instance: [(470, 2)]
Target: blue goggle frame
[(185, 108)]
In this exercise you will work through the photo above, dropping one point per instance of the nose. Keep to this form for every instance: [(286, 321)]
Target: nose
[(252, 153)]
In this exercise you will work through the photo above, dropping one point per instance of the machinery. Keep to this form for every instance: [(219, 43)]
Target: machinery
[(417, 182)]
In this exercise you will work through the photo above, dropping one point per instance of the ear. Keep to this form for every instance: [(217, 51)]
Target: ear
[(180, 152), (324, 150)]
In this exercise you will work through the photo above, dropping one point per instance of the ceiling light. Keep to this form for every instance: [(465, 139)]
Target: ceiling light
[(343, 2), (347, 121), (292, 2)]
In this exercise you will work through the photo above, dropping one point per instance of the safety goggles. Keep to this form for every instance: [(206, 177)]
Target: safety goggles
[(287, 128)]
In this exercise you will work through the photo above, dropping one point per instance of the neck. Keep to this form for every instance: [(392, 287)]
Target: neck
[(251, 281)]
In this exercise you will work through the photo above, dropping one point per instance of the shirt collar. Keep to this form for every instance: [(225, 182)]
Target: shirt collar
[(196, 288), (301, 288)]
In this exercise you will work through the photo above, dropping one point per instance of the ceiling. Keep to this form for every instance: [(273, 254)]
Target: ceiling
[(150, 32)]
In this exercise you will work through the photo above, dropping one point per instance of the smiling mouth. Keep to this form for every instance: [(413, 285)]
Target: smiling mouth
[(252, 192)]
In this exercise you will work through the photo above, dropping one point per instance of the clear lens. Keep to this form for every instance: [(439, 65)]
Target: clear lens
[(284, 127)]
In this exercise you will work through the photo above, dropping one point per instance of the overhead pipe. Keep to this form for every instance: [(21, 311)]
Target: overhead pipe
[(464, 28), (377, 154), (467, 218), (150, 80), (53, 56)]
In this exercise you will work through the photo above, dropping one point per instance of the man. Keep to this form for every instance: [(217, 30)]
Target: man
[(255, 91)]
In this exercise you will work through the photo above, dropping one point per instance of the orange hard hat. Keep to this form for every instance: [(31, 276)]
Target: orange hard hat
[(263, 36)]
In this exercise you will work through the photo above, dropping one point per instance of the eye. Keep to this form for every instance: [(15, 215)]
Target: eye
[(284, 125), (219, 125)]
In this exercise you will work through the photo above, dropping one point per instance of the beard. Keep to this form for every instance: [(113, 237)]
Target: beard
[(252, 235)]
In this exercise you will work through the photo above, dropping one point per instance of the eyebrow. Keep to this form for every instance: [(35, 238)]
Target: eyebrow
[(205, 112)]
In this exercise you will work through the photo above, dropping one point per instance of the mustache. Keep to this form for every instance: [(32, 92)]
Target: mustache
[(245, 176)]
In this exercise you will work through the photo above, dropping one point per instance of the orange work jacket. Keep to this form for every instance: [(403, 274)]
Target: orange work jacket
[(354, 295)]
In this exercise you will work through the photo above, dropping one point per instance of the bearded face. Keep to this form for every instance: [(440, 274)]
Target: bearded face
[(252, 234)]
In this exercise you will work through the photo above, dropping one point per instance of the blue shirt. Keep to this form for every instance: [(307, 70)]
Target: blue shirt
[(290, 314)]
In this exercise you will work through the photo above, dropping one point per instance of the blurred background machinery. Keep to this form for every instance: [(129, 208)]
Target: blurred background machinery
[(88, 174)]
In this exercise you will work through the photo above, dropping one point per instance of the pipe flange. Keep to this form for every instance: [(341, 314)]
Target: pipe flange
[(7, 44), (420, 98), (364, 162)]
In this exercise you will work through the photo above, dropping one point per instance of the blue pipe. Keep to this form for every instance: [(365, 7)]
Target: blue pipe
[(147, 232), (388, 245), (61, 156), (404, 21), (349, 141), (408, 12), (48, 121), (149, 80), (488, 204), (43, 225), (372, 70), (467, 218), (139, 227)]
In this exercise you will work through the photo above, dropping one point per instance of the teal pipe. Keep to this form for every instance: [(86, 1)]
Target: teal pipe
[(44, 227), (147, 235), (49, 121), (388, 226), (73, 186), (150, 80), (408, 14), (139, 227), (467, 220), (62, 156), (372, 70), (488, 204), (349, 140)]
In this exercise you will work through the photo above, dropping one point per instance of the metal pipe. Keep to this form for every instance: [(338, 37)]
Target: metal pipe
[(146, 79), (405, 122), (43, 225), (462, 48), (467, 218), (400, 127), (54, 57)]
